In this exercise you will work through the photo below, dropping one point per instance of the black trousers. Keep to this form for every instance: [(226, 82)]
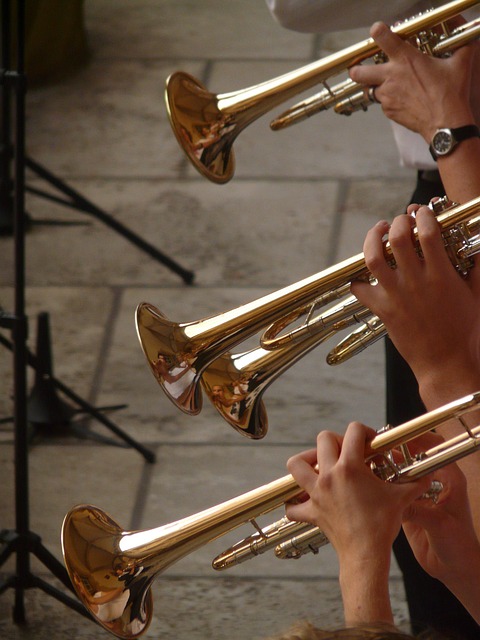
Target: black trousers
[(430, 603)]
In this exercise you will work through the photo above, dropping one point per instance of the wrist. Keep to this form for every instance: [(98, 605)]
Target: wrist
[(365, 572), (456, 114), (465, 586), (365, 592)]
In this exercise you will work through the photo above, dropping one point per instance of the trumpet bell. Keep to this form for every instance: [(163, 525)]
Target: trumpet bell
[(235, 391), (169, 355), (201, 129), (113, 588)]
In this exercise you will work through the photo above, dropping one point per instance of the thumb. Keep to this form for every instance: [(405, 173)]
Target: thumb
[(388, 41)]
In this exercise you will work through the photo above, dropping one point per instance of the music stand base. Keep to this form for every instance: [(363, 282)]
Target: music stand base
[(31, 543), (46, 408)]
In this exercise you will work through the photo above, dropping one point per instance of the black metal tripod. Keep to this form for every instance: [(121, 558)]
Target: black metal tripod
[(21, 541)]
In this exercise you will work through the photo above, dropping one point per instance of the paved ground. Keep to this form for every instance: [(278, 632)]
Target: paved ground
[(301, 200)]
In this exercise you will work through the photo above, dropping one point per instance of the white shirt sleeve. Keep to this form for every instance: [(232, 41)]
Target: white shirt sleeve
[(322, 16), (412, 149)]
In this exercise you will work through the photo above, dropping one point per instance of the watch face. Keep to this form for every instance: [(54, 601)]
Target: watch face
[(442, 141)]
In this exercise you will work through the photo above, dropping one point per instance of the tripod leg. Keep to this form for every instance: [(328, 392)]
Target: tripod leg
[(58, 570), (80, 203), (23, 546), (62, 597), (21, 541), (18, 612)]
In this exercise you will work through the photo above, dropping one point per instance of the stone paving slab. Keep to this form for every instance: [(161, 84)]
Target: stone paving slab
[(190, 30), (200, 608)]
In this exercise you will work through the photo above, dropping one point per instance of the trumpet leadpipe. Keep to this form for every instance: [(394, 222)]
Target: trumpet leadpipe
[(458, 37), (325, 99)]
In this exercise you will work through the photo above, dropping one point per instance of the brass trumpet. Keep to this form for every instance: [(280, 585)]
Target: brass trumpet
[(112, 570), (348, 96), (206, 124), (182, 355)]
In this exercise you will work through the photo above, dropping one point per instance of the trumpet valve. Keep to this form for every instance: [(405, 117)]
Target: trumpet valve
[(309, 541), (359, 101)]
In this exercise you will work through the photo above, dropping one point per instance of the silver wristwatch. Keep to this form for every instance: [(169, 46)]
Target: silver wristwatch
[(445, 140)]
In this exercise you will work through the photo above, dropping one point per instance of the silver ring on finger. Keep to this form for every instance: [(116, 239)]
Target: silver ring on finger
[(371, 94)]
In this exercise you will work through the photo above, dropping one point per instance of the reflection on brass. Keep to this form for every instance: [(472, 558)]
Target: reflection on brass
[(206, 124), (182, 355), (112, 570)]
